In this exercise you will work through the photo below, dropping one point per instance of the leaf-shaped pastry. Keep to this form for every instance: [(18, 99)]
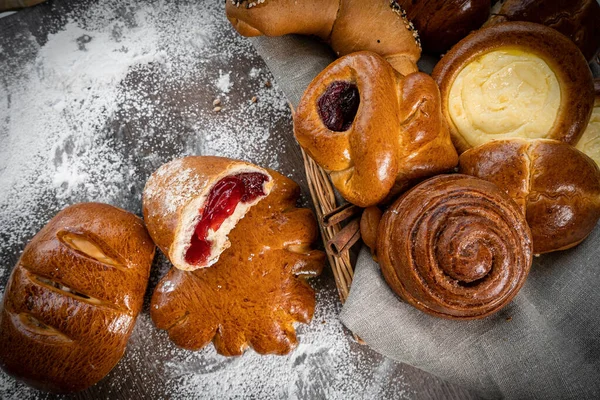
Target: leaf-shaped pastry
[(256, 291)]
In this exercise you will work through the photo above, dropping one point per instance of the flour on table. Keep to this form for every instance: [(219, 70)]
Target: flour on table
[(115, 90)]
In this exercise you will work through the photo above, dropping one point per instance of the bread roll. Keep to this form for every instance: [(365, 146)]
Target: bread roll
[(375, 131), (579, 20), (380, 26), (73, 297), (191, 204), (257, 291), (515, 79), (556, 186), (590, 140), (455, 247), (442, 23)]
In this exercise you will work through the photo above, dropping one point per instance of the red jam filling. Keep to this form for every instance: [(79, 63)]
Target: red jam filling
[(220, 204), (338, 105)]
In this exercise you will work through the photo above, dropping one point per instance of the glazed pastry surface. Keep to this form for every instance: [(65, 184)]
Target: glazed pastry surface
[(590, 141), (257, 291), (73, 298), (556, 186), (514, 80), (455, 247), (390, 136)]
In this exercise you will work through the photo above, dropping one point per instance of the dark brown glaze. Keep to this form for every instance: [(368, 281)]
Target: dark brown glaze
[(256, 291), (73, 297), (398, 135), (455, 247), (557, 186), (442, 23), (568, 64), (348, 25), (579, 20)]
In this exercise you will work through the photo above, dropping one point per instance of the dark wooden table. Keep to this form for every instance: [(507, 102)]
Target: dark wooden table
[(180, 121)]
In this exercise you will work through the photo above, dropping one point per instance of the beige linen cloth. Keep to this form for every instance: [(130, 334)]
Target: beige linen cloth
[(545, 344)]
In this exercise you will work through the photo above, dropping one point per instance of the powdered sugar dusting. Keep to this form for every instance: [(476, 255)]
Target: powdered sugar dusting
[(115, 90)]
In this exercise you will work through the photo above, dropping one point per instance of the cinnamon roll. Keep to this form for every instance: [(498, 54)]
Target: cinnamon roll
[(455, 246)]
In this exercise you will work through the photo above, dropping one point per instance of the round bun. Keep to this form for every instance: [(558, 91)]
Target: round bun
[(579, 20), (455, 246), (556, 186), (590, 140), (515, 79)]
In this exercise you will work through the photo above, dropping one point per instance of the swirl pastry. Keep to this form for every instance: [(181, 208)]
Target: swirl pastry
[(455, 246), (375, 131), (590, 140), (191, 204), (515, 79), (257, 290), (380, 26), (556, 186), (73, 298), (576, 19)]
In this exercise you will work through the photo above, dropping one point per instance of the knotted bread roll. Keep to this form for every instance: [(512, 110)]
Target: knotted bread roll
[(374, 130)]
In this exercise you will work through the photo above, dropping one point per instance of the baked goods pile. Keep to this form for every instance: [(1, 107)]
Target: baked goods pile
[(74, 295), (514, 98), (511, 107)]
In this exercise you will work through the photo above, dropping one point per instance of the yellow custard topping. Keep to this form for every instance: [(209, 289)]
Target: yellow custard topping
[(502, 94), (590, 141)]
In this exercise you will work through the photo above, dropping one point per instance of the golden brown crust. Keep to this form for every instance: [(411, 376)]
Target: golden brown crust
[(72, 300), (455, 247), (397, 138), (442, 23), (173, 186), (557, 186), (576, 19), (563, 57), (369, 224), (281, 17), (349, 25), (256, 291)]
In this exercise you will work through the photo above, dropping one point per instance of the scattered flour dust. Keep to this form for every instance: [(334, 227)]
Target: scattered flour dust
[(117, 89)]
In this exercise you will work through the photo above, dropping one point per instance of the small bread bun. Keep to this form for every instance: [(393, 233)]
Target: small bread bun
[(590, 140), (556, 186), (579, 20), (515, 80)]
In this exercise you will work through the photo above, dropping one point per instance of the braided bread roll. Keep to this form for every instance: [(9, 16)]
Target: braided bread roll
[(557, 187), (380, 26), (374, 130), (455, 247)]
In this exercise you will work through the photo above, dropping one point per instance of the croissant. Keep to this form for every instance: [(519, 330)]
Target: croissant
[(72, 300), (515, 79), (455, 246), (380, 26), (556, 186), (191, 204), (374, 130), (579, 20), (590, 140)]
